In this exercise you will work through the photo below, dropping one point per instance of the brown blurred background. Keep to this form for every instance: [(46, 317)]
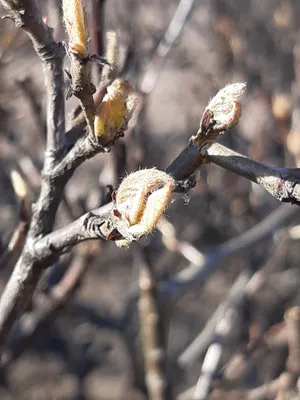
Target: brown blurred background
[(89, 349)]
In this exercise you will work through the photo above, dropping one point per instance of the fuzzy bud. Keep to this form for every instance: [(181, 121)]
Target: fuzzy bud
[(115, 110), (222, 113), (225, 107), (112, 49), (75, 21), (140, 201)]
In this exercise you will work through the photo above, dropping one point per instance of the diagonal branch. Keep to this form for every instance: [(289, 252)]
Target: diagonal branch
[(190, 159), (172, 33), (281, 183)]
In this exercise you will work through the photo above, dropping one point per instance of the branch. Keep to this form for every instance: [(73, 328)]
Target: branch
[(282, 183), (58, 169), (47, 307), (31, 264), (23, 281), (88, 225)]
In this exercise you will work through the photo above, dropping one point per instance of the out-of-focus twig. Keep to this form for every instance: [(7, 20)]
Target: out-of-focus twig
[(276, 337), (17, 240), (152, 337), (241, 362), (174, 29), (27, 14), (271, 389), (97, 25), (266, 391), (227, 323), (46, 306), (29, 94), (200, 273), (292, 319), (172, 243), (200, 343), (245, 285)]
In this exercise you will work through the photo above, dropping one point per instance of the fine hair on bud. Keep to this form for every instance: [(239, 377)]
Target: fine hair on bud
[(225, 106), (140, 201), (115, 110), (112, 48)]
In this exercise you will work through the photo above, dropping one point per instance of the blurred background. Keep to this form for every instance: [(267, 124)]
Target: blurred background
[(85, 344)]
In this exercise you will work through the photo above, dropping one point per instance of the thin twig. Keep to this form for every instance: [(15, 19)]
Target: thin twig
[(27, 14), (152, 337), (292, 319), (270, 390), (172, 33), (30, 95), (226, 324), (17, 240), (200, 273), (200, 343), (97, 26), (172, 243)]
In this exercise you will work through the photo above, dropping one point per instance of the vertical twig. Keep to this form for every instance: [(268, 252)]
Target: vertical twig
[(292, 319), (151, 331), (97, 34)]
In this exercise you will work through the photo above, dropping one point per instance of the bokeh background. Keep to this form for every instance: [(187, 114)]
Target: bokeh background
[(89, 348)]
